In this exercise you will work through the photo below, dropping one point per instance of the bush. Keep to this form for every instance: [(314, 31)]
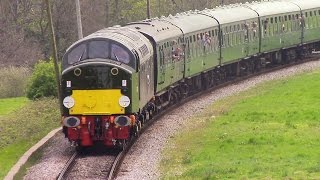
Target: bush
[(43, 82), (13, 81)]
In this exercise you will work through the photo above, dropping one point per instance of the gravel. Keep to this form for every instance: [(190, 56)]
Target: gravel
[(86, 167), (142, 161), (55, 155)]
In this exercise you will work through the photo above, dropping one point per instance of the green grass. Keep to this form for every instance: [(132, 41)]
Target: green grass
[(10, 104), (269, 132), (24, 127)]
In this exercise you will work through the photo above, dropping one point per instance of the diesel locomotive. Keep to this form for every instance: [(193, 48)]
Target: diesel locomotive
[(116, 79)]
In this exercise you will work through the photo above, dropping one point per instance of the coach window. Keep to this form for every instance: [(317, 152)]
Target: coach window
[(315, 19), (275, 25), (230, 36), (77, 54), (293, 22), (98, 49)]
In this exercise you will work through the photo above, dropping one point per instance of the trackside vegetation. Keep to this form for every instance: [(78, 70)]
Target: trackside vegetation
[(24, 125), (42, 82), (269, 132), (8, 105), (13, 81)]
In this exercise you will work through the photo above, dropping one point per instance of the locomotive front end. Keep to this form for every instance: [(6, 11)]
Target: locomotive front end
[(99, 85), (97, 104)]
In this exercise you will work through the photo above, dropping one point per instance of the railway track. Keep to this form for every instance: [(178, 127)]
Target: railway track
[(112, 165), (92, 164)]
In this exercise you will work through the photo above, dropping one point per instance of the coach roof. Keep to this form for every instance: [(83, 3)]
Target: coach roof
[(156, 28), (267, 8), (306, 4), (230, 13), (191, 21)]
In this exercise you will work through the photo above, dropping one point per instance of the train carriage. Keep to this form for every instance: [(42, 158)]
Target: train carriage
[(309, 20), (201, 43), (165, 38), (279, 24), (238, 32)]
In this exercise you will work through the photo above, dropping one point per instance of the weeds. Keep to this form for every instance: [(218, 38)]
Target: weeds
[(13, 81)]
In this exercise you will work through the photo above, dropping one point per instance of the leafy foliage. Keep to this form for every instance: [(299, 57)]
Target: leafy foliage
[(42, 82), (13, 81)]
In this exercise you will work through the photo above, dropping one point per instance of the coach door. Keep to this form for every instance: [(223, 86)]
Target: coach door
[(187, 57), (162, 69)]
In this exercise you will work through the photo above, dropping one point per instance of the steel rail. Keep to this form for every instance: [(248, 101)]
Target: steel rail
[(68, 165)]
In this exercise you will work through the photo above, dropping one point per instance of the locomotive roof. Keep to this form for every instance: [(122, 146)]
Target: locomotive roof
[(192, 21), (230, 13), (157, 28), (306, 4), (128, 37), (267, 8)]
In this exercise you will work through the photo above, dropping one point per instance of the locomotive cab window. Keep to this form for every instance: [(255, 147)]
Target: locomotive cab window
[(98, 49), (119, 54), (77, 54)]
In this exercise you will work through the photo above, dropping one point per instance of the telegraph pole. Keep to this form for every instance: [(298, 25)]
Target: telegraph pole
[(55, 53), (148, 9), (79, 23)]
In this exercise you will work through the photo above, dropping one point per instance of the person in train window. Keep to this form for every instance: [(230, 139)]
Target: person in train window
[(265, 25), (254, 28), (302, 21), (176, 51), (206, 39)]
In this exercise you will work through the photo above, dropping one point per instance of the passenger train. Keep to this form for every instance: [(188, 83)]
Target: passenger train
[(118, 78)]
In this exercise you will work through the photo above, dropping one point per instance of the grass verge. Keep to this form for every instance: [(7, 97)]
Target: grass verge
[(8, 105), (24, 127), (269, 132)]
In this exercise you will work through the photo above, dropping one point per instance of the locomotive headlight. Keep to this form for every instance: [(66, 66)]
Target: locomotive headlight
[(71, 121), (124, 101), (122, 121), (68, 102)]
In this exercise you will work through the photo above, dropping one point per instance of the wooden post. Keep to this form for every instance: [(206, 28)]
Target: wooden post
[(148, 9), (79, 23), (55, 54)]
